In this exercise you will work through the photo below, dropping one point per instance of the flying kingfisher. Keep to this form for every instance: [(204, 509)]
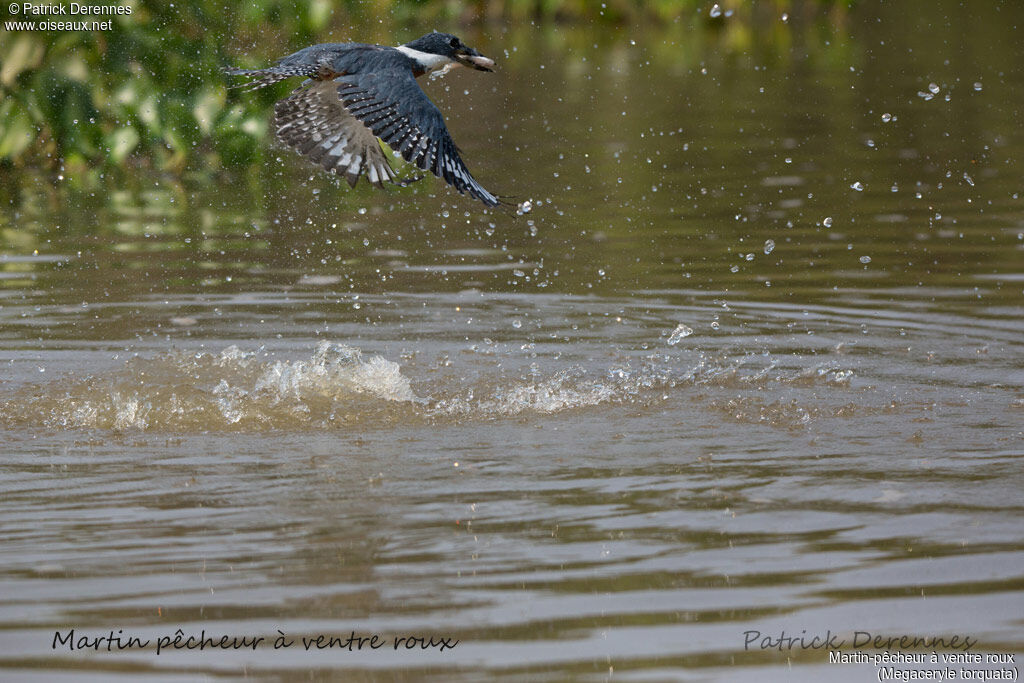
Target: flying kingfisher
[(356, 93)]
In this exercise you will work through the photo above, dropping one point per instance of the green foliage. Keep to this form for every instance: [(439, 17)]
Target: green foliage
[(149, 90)]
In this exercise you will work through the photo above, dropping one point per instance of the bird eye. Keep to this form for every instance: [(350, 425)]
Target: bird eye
[(454, 42)]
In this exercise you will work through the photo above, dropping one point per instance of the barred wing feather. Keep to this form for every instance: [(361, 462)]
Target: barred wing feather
[(313, 121), (392, 105)]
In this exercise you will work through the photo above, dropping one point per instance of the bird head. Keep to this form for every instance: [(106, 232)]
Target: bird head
[(447, 45)]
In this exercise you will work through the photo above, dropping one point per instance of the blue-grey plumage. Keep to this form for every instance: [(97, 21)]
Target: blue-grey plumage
[(356, 93)]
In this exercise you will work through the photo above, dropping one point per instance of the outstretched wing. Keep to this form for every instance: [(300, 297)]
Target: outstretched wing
[(313, 121), (394, 108)]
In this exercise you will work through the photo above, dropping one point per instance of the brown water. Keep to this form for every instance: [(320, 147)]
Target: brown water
[(278, 404)]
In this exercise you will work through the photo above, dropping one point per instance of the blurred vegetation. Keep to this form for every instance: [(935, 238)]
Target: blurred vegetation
[(150, 93)]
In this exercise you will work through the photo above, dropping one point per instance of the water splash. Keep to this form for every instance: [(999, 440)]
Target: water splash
[(340, 387), (233, 389), (678, 334)]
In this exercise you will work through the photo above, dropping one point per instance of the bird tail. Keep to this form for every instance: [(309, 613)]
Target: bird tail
[(261, 78)]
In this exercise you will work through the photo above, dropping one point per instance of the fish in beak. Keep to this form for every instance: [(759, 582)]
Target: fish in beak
[(467, 56)]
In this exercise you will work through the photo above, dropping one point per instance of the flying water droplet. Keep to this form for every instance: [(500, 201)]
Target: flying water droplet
[(525, 207), (933, 88), (827, 222), (859, 186), (769, 246), (679, 334), (886, 117), (977, 86), (865, 259), (969, 179), (716, 11)]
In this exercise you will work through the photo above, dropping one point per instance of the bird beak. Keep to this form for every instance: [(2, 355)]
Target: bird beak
[(474, 60)]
